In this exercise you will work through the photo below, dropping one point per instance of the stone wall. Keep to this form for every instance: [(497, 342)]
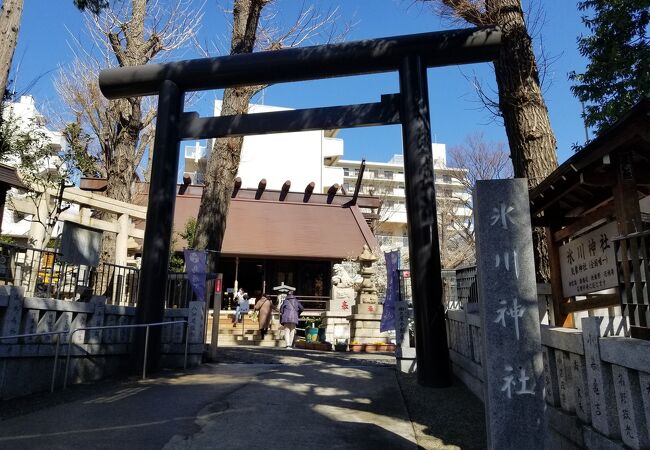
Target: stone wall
[(465, 348), (597, 381), (26, 364)]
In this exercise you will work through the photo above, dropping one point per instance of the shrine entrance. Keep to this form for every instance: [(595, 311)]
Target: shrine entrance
[(409, 55)]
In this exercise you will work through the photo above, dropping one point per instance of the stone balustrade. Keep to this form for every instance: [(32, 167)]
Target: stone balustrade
[(596, 380), (26, 363)]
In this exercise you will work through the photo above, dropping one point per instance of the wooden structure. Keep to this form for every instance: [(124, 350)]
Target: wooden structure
[(281, 236), (124, 227), (603, 183)]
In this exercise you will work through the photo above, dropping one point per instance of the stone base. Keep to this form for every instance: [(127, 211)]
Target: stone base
[(368, 308), (364, 328), (336, 326), (405, 359)]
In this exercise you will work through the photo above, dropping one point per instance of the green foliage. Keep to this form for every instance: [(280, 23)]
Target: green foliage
[(77, 153), (618, 74), (7, 240), (28, 145), (94, 6), (312, 321), (189, 232), (52, 244), (176, 263)]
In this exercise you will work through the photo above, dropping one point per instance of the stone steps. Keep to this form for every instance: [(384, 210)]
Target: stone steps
[(245, 332), (254, 342), (271, 340)]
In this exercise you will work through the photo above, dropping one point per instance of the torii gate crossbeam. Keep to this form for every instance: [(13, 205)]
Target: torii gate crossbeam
[(409, 55)]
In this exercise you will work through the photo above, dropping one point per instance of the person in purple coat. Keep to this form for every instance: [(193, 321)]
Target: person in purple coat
[(289, 313)]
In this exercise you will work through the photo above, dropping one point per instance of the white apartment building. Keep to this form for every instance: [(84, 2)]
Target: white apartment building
[(316, 156), (386, 181), (297, 157), (24, 117)]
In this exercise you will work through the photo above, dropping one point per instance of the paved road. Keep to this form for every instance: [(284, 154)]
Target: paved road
[(277, 399)]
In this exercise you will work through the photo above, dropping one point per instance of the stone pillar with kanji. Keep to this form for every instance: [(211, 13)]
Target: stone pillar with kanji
[(512, 357)]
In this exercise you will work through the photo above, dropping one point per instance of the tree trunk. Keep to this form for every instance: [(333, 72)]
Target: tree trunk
[(531, 139), (10, 15), (223, 161), (121, 159)]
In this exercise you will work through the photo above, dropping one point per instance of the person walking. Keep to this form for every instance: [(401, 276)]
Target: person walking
[(242, 306), (264, 308), (289, 313)]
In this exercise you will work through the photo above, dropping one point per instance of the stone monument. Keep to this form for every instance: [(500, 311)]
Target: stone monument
[(344, 293), (512, 350), (404, 353)]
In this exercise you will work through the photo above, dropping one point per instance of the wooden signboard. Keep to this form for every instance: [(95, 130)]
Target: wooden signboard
[(588, 263)]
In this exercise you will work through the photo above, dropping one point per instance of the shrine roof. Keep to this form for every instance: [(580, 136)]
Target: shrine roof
[(8, 175), (289, 228), (585, 181)]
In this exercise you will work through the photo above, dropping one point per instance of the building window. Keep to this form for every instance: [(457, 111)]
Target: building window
[(388, 174), (400, 186), (346, 171), (446, 178)]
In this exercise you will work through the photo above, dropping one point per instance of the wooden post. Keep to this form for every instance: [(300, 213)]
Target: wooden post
[(628, 217), (558, 318)]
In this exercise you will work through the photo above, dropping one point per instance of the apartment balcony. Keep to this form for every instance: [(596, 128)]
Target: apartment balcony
[(393, 241), (394, 215), (196, 152), (369, 175)]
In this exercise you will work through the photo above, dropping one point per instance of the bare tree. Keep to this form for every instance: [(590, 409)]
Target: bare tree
[(521, 105), (455, 232), (251, 30), (479, 159), (475, 159), (129, 33), (10, 16)]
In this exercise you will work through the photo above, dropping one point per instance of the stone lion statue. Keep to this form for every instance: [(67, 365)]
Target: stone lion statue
[(342, 278)]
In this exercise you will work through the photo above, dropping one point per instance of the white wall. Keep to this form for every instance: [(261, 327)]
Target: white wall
[(286, 156), (27, 119)]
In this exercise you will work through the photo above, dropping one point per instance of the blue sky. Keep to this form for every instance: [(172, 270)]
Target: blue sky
[(455, 112)]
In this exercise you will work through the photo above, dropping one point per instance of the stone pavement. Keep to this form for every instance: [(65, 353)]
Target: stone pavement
[(253, 399)]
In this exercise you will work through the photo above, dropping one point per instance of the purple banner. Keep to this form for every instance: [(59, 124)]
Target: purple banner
[(196, 265), (392, 291)]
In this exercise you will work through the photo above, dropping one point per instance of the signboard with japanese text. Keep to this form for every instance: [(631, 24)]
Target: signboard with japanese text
[(196, 265), (392, 291), (512, 356), (588, 263), (80, 244)]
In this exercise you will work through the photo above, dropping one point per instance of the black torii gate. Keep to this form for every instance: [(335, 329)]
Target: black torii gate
[(409, 55)]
